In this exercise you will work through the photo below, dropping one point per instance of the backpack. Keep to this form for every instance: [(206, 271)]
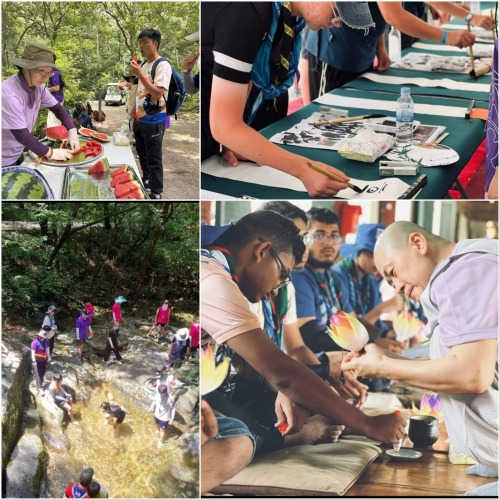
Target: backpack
[(176, 91)]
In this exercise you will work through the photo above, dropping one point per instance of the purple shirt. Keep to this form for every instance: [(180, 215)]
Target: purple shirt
[(17, 114), (82, 327), (461, 299), (55, 80), (492, 123)]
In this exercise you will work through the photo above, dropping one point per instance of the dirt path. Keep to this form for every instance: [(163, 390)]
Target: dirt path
[(180, 150)]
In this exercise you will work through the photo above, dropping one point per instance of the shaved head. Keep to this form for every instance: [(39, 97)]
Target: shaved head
[(397, 235), (406, 255)]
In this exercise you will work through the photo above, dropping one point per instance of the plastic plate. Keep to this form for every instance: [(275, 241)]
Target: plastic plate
[(404, 454)]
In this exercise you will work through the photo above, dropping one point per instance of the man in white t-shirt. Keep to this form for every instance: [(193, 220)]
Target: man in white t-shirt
[(151, 110)]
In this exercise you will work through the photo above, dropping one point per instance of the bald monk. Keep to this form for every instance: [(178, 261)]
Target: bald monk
[(457, 285)]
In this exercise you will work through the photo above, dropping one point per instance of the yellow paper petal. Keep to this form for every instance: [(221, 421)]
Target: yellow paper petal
[(348, 332), (212, 376)]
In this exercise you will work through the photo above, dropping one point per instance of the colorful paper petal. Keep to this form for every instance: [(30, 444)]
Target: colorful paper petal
[(347, 331), (211, 376), (406, 326)]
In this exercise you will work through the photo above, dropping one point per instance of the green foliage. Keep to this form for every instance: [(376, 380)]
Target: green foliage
[(69, 251), (95, 41)]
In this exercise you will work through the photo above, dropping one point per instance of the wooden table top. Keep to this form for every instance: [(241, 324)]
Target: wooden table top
[(430, 475)]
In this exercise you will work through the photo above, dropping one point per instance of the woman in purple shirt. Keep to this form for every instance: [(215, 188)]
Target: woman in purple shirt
[(55, 87), (23, 95)]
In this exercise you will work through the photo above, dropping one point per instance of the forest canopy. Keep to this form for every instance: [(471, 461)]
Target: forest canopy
[(60, 253), (95, 41)]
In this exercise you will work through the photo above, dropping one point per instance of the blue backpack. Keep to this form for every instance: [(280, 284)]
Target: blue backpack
[(176, 90)]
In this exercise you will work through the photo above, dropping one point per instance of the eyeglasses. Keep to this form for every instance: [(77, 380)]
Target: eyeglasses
[(308, 239), (44, 73), (284, 274), (336, 238), (336, 15)]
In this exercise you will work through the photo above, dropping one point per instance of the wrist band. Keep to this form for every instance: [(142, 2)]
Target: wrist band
[(143, 79), (445, 36), (468, 18)]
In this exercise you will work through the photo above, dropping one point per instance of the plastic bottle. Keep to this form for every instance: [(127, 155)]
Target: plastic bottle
[(394, 45), (404, 118)]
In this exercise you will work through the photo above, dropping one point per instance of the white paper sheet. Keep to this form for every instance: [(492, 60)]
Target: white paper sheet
[(445, 83), (480, 49), (388, 188), (389, 106), (435, 63), (306, 134)]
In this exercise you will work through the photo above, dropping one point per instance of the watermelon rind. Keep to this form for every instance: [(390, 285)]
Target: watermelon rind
[(102, 162), (24, 183), (100, 136), (56, 133), (85, 131)]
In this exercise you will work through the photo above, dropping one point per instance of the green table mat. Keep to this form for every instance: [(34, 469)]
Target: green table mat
[(465, 136)]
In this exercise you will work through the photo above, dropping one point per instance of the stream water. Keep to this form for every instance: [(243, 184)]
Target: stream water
[(126, 462)]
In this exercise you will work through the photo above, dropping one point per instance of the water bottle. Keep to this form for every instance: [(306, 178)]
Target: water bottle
[(395, 45), (404, 118)]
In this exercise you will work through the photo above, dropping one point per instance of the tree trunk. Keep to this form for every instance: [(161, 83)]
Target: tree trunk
[(167, 212)]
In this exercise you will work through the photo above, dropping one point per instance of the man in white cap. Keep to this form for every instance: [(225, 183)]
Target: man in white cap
[(23, 95), (40, 356), (179, 347)]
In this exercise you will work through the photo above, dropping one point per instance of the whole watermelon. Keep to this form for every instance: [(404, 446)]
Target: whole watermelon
[(23, 183)]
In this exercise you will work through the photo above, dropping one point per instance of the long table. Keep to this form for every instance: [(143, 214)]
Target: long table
[(116, 155), (444, 103)]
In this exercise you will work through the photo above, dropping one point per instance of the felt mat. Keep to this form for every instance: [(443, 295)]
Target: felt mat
[(307, 470)]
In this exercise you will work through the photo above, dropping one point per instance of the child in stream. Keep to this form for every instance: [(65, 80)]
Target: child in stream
[(163, 406), (114, 411)]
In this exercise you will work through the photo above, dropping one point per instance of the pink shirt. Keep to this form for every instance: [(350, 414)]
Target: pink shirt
[(194, 333), (17, 115), (163, 314), (91, 309), (117, 312), (224, 310)]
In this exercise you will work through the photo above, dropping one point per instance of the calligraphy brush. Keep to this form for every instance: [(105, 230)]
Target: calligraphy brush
[(472, 72), (342, 120), (334, 177)]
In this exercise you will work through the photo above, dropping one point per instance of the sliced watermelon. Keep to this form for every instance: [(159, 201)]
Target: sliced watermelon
[(128, 188), (123, 178), (99, 167), (119, 170), (134, 195), (56, 133), (99, 136), (85, 131)]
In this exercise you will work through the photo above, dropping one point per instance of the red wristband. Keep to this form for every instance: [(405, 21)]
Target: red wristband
[(143, 79)]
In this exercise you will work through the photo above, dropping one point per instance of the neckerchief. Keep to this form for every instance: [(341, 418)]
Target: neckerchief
[(329, 288), (284, 28), (28, 90), (229, 265), (275, 309), (359, 289)]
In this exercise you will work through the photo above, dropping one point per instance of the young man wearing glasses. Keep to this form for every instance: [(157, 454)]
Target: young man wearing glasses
[(237, 265), (317, 289)]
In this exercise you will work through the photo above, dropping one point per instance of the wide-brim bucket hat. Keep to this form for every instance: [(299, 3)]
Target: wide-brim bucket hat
[(35, 56), (356, 15)]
